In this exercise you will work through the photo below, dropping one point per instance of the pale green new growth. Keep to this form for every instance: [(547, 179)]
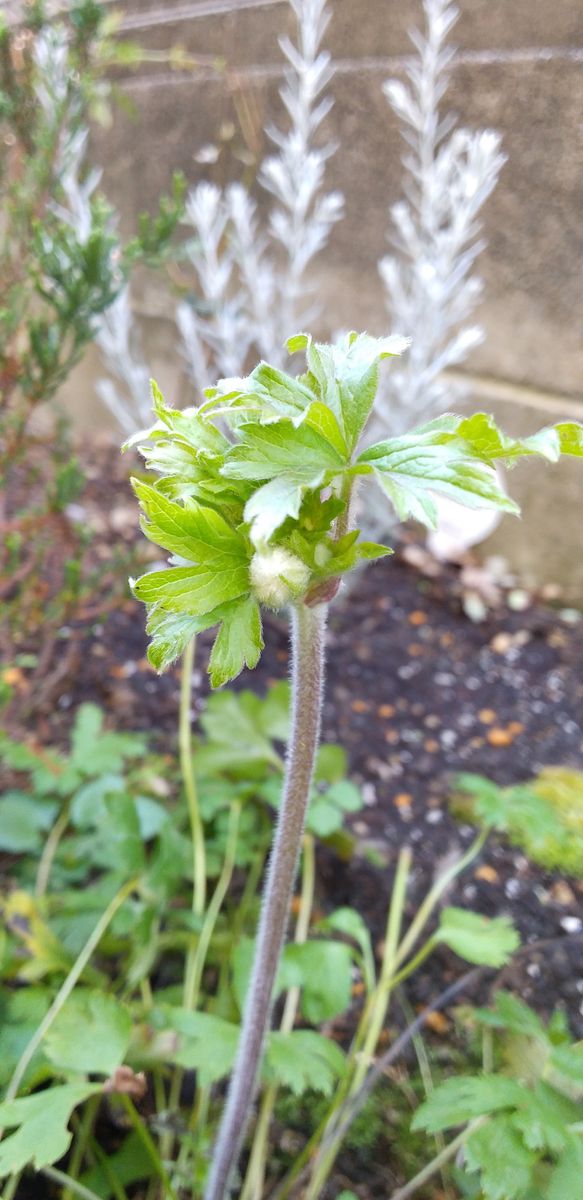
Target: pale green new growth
[(233, 510)]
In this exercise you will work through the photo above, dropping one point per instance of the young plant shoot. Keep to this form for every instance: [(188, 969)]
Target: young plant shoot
[(253, 504)]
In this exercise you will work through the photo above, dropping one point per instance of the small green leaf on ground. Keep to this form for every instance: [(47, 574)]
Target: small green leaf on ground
[(40, 1122), (487, 941), (303, 1061), (464, 1097), (498, 1152), (90, 1034)]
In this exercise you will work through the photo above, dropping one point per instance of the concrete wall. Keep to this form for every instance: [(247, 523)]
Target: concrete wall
[(519, 70)]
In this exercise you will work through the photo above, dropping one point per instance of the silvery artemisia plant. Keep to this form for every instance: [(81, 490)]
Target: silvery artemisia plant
[(254, 491), (430, 283), (252, 281)]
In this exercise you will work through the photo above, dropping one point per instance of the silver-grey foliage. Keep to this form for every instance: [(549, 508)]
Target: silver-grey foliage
[(252, 281), (430, 284)]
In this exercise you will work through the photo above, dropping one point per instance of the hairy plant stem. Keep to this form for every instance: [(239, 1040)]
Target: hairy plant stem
[(255, 1177), (308, 630)]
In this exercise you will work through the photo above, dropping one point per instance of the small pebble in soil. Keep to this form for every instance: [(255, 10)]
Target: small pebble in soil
[(360, 828), (562, 894), (368, 793), (448, 738), (487, 873), (571, 924)]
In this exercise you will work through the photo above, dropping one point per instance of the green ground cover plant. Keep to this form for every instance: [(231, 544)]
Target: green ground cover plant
[(139, 924), (544, 816)]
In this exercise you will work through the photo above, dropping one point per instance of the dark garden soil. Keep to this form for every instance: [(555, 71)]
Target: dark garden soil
[(416, 692)]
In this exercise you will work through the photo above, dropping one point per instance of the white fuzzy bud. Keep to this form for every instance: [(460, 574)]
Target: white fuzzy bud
[(278, 576)]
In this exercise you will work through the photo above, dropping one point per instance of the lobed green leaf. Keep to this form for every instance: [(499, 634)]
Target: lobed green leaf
[(460, 1099), (41, 1135), (486, 941), (238, 644)]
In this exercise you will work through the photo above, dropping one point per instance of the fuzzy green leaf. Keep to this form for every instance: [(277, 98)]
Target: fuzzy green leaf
[(486, 941), (267, 451), (328, 809), (40, 1121), (505, 1164), (568, 1061), (190, 530), (289, 396), (460, 1099), (488, 442), (207, 1045), (21, 1011), (347, 553), (187, 424), (351, 924), (271, 505), (303, 1061), (90, 1034), (346, 375), (264, 395), (289, 460), (239, 728), (322, 419), (453, 455), (238, 644), (566, 1179), (570, 438), (171, 632), (511, 1014), (194, 590), (323, 971), (545, 1117), (23, 820), (545, 815), (409, 472), (488, 800), (94, 750)]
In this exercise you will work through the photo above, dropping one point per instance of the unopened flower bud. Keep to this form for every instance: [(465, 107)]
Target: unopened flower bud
[(278, 576)]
